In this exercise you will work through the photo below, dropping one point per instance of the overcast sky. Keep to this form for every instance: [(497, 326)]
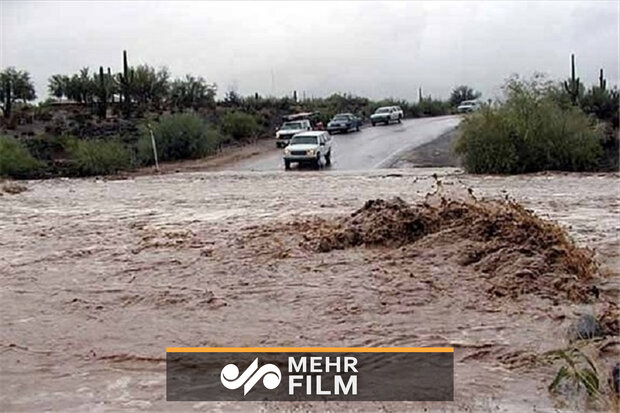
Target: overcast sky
[(371, 49)]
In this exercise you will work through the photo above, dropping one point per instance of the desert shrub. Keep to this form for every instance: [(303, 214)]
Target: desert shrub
[(178, 136), (433, 107), (45, 147), (97, 157), (16, 161), (239, 125), (529, 132), (602, 103)]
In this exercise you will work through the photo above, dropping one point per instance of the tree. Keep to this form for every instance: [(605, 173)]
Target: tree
[(16, 85), (81, 87), (192, 92), (57, 86), (150, 87), (232, 98), (462, 93)]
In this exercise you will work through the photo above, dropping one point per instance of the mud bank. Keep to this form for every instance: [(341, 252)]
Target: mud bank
[(99, 277)]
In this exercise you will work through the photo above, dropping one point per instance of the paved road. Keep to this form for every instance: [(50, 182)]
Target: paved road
[(371, 148)]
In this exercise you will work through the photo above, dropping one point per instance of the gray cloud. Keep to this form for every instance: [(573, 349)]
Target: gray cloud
[(373, 49)]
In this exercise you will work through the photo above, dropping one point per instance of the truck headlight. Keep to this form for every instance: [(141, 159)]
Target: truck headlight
[(287, 151), (310, 152)]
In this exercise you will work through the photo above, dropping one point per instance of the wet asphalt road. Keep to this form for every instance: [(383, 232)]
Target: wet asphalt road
[(371, 148)]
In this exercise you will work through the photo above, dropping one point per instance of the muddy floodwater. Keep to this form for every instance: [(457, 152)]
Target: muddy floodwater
[(100, 276)]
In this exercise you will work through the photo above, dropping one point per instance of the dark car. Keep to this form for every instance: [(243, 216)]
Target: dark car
[(344, 122)]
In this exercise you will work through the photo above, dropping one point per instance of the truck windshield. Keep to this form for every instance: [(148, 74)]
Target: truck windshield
[(304, 140), (291, 125), (341, 117), (383, 110)]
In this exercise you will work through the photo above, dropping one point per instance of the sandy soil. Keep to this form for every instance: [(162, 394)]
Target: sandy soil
[(99, 277), (229, 155)]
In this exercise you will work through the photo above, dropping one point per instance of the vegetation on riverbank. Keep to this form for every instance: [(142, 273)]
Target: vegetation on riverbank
[(543, 125), (100, 122)]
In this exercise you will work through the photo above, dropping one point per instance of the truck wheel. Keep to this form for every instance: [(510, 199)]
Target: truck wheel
[(287, 165), (328, 158), (277, 144), (317, 163), (357, 128), (399, 119), (387, 122), (373, 124)]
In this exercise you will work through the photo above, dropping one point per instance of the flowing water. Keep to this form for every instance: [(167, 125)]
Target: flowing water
[(100, 276)]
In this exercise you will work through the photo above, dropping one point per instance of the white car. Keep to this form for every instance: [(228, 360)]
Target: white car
[(289, 129), (386, 114), (309, 147), (399, 112), (467, 106)]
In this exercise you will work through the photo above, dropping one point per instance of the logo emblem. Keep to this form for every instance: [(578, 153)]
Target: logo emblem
[(231, 379)]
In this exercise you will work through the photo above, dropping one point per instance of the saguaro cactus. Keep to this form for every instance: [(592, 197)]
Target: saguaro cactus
[(102, 94), (8, 99), (573, 85), (602, 83), (110, 86), (126, 79)]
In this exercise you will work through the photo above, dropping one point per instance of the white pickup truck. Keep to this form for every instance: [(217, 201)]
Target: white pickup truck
[(309, 147), (289, 129), (386, 114)]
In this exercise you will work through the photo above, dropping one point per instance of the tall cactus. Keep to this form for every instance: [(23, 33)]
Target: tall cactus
[(126, 79), (110, 86), (602, 83), (8, 99), (573, 85), (102, 94), (420, 94)]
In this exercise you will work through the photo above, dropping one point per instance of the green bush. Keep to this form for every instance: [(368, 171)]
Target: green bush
[(178, 136), (239, 125), (529, 132), (16, 161), (602, 103), (92, 157)]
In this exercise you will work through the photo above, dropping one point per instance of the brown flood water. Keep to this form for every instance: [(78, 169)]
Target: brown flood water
[(99, 277)]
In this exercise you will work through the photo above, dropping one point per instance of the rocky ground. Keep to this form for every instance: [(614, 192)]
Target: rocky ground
[(100, 276)]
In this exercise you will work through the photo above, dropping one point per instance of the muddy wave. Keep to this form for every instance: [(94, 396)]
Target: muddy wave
[(520, 252)]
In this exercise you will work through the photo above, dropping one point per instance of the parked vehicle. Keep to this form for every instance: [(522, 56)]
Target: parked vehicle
[(289, 129), (386, 114), (344, 122), (309, 147), (467, 106)]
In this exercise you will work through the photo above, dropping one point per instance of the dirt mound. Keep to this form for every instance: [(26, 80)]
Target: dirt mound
[(518, 251)]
